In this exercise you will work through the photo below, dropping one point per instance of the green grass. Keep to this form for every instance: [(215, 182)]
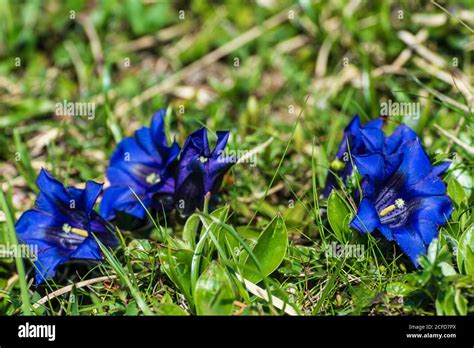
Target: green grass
[(131, 59)]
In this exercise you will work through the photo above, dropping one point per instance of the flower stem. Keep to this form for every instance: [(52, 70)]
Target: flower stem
[(207, 198)]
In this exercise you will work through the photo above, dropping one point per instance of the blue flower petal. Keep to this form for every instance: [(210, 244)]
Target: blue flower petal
[(43, 203), (52, 188), (415, 165), (441, 168), (359, 142), (47, 263), (386, 231), (430, 185), (92, 192), (76, 196), (200, 141), (129, 150), (145, 140), (157, 128), (376, 123), (89, 249), (190, 194), (366, 219), (372, 165), (372, 139), (221, 142), (353, 128), (118, 176), (436, 209), (401, 135), (34, 225), (121, 198), (411, 243)]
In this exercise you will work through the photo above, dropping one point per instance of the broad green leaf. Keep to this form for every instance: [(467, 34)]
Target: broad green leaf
[(190, 231), (439, 305), (215, 228), (214, 294), (221, 215), (433, 251), (338, 216), (399, 289), (177, 267), (455, 191), (447, 269), (461, 302), (132, 309), (449, 306), (269, 251), (465, 253), (249, 233)]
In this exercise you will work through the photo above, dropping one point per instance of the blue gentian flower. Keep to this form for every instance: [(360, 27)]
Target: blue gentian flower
[(358, 142), (403, 135), (404, 199), (62, 225), (200, 170), (144, 164)]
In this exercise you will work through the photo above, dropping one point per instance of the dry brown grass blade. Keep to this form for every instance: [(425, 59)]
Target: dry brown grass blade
[(459, 82), (403, 57), (149, 41), (454, 139), (208, 59), (68, 288), (261, 293), (410, 40)]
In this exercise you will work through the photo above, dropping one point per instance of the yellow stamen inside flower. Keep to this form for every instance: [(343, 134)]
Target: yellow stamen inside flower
[(80, 232), (68, 229), (153, 178), (203, 159), (399, 203)]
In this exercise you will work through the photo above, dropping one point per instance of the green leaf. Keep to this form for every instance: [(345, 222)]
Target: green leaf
[(461, 302), (449, 308), (456, 192), (177, 266), (169, 309), (269, 251), (447, 269), (214, 294), (205, 245), (439, 306), (465, 253), (399, 289), (190, 231), (339, 216), (221, 215), (140, 249)]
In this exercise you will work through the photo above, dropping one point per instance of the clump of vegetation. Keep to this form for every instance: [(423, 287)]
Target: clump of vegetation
[(279, 226)]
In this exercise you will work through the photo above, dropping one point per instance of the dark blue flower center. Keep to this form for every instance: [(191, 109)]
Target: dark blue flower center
[(147, 174), (67, 237), (392, 208)]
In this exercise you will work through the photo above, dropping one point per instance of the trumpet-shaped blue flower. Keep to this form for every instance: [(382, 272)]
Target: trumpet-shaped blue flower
[(359, 141), (404, 199), (141, 166), (62, 225), (200, 170)]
